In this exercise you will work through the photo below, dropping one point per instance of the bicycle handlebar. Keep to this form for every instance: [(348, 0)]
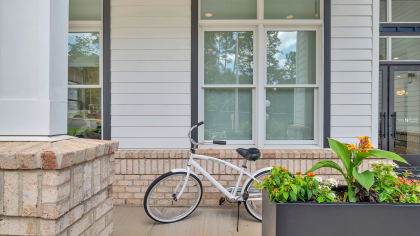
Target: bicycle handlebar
[(195, 143)]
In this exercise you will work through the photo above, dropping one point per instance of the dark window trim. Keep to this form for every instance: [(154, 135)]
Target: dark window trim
[(194, 67), (106, 58), (327, 72), (327, 69), (399, 29), (398, 63)]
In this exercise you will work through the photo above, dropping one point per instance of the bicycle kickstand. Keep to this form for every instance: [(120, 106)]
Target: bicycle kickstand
[(237, 222)]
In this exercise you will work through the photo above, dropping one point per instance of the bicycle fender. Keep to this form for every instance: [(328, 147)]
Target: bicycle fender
[(185, 171), (254, 174)]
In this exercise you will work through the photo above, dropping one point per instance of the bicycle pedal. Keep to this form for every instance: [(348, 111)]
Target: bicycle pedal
[(245, 196), (222, 201)]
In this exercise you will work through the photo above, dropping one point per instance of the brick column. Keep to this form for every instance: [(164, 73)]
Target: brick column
[(57, 188)]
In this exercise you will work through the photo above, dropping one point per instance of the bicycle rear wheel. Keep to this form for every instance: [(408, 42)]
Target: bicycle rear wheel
[(159, 202)]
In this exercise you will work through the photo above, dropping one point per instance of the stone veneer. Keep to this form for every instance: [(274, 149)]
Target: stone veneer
[(57, 188), (135, 170)]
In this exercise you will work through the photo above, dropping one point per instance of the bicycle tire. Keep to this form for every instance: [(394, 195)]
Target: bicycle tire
[(247, 189), (157, 181)]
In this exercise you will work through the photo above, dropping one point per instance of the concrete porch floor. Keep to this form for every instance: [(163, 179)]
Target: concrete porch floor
[(209, 221)]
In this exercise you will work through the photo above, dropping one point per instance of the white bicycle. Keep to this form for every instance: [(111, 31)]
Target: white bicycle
[(176, 194)]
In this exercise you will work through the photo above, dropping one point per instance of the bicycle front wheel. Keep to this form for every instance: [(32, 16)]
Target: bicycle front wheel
[(254, 203), (159, 200)]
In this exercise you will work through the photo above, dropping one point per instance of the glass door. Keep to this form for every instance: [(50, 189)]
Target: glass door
[(399, 111)]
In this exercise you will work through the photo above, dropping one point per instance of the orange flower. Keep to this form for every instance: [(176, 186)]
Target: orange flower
[(266, 177), (298, 173), (275, 190), (310, 174), (364, 143), (402, 195), (351, 147)]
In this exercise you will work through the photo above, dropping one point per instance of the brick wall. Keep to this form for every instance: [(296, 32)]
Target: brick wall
[(135, 170), (59, 188)]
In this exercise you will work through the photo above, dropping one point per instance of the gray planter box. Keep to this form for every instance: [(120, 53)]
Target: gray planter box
[(344, 219)]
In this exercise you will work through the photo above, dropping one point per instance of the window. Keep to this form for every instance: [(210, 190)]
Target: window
[(401, 48), (399, 11), (259, 81), (291, 9), (84, 112)]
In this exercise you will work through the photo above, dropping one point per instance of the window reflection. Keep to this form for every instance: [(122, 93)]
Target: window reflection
[(84, 113), (291, 57), (83, 58), (228, 57)]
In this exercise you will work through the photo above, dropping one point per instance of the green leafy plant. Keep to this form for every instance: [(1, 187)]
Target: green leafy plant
[(391, 188), (324, 193), (283, 186), (352, 156)]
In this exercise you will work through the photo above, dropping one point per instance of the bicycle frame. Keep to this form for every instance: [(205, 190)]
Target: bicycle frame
[(191, 162)]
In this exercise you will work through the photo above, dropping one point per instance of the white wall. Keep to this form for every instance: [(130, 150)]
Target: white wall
[(354, 69), (150, 73)]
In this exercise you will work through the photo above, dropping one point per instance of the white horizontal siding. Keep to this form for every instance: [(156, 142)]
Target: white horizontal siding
[(352, 64), (351, 10), (151, 33), (351, 88), (150, 3), (150, 110), (151, 66), (358, 32), (150, 88), (351, 99), (351, 121), (151, 99), (150, 132), (150, 22), (150, 77), (152, 143), (150, 44), (350, 2), (124, 11), (344, 132), (342, 43), (150, 73), (351, 21), (151, 55), (347, 55), (337, 77), (351, 110), (150, 121)]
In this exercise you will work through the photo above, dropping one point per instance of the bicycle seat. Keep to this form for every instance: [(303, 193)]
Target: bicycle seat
[(250, 154)]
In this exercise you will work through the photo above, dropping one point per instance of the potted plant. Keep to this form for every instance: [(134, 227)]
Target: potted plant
[(376, 202)]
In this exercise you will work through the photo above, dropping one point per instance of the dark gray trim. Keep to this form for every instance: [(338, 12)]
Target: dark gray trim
[(194, 67), (399, 62), (327, 72), (106, 58), (399, 33), (383, 128), (399, 25)]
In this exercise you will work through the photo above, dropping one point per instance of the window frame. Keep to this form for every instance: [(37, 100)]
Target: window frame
[(91, 27), (260, 26), (389, 48), (389, 14)]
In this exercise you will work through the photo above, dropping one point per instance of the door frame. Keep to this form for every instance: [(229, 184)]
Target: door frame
[(388, 126), (384, 118)]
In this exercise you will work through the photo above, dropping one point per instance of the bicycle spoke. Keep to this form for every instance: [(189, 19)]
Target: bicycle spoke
[(160, 203)]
